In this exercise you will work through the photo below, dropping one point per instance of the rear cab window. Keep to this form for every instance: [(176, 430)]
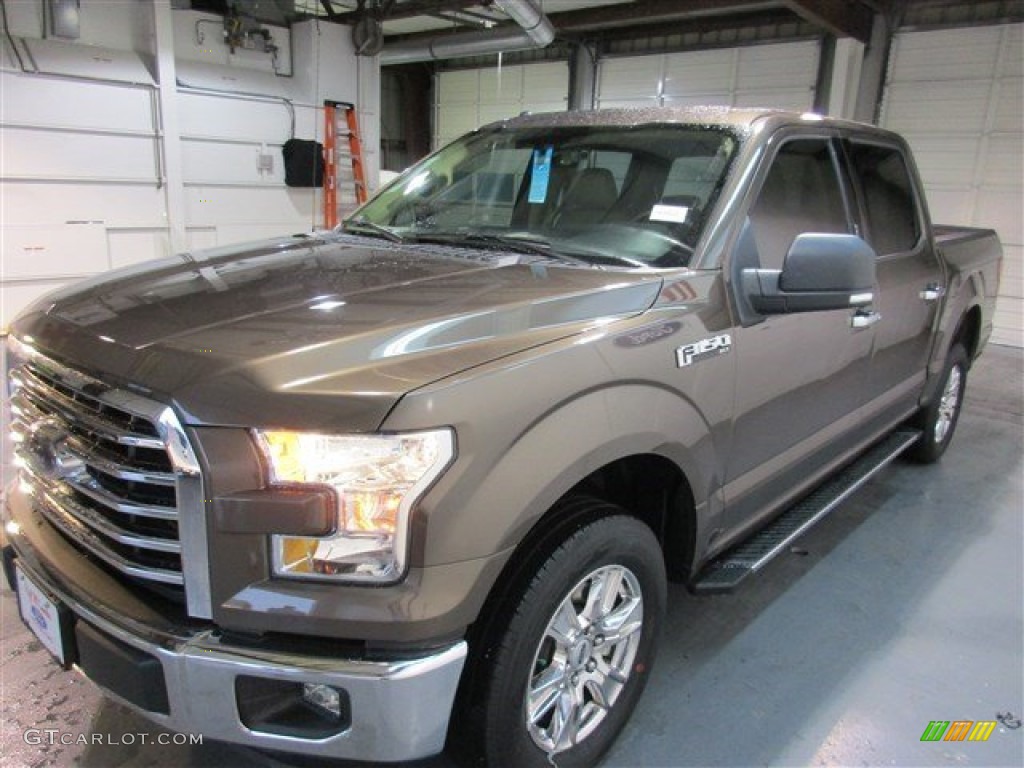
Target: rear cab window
[(891, 217)]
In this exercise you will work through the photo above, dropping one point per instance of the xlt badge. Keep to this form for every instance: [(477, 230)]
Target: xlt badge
[(703, 349)]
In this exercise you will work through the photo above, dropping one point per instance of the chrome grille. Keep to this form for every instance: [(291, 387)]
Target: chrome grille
[(108, 469)]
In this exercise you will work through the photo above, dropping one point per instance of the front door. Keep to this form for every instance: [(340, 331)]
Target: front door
[(800, 376)]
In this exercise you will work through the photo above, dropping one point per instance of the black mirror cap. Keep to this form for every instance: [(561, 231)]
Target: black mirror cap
[(823, 263), (821, 272)]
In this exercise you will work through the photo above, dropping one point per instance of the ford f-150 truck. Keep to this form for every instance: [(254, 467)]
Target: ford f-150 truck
[(423, 479)]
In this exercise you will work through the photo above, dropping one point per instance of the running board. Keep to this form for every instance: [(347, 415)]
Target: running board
[(750, 555)]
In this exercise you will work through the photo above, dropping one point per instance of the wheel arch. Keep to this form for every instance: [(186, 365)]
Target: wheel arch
[(503, 486), (599, 458), (647, 486), (674, 522), (968, 331)]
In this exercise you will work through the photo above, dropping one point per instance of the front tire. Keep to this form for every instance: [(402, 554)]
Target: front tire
[(577, 651), (938, 419)]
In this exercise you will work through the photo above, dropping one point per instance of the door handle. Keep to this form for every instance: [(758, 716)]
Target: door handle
[(864, 318), (932, 292)]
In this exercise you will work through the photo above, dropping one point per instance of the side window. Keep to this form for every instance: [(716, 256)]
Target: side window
[(801, 193), (892, 221)]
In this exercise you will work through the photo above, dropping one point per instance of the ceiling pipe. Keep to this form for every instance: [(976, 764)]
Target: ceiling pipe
[(535, 31), (530, 18)]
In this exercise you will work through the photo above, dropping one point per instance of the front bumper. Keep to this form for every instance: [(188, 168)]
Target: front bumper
[(394, 710)]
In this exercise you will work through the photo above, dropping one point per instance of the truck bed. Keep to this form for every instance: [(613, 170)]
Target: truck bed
[(967, 249)]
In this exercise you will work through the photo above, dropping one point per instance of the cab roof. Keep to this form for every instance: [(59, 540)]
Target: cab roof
[(741, 119)]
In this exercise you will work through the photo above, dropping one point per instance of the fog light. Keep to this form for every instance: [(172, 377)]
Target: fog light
[(324, 698), (291, 708)]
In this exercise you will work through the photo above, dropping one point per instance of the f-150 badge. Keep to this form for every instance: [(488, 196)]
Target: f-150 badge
[(703, 349)]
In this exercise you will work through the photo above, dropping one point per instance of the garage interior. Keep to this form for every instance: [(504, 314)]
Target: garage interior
[(139, 130)]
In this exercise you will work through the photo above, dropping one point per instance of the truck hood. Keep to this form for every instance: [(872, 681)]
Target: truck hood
[(337, 328)]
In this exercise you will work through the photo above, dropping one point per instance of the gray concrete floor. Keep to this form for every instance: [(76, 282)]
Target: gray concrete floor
[(904, 606)]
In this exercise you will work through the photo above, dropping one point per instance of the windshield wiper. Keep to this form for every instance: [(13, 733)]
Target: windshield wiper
[(367, 227), (594, 257), (538, 246), (521, 243)]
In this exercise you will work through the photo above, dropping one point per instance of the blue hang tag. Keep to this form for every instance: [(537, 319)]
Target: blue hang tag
[(541, 175)]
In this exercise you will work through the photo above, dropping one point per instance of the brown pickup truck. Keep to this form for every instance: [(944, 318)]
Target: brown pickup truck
[(423, 479)]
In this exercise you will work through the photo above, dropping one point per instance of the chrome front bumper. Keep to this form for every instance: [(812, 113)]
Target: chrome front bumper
[(399, 710)]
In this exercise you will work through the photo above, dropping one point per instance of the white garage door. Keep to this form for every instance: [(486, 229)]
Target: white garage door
[(776, 75), (957, 97), (466, 99)]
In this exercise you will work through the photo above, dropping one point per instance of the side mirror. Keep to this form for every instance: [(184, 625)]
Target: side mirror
[(821, 272)]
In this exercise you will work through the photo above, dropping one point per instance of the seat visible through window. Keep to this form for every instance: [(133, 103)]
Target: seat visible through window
[(800, 194), (587, 200)]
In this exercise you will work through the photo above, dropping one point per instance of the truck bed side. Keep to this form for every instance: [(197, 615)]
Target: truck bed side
[(969, 249), (973, 257)]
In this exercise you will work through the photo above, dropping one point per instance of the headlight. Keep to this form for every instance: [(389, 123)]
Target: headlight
[(377, 479)]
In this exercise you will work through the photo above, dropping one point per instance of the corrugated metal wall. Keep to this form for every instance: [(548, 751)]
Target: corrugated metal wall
[(781, 74), (468, 98), (956, 95), (777, 75)]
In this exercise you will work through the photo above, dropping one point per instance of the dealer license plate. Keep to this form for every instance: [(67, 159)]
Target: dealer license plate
[(46, 617)]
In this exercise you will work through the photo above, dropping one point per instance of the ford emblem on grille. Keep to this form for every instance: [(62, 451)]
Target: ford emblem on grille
[(48, 452)]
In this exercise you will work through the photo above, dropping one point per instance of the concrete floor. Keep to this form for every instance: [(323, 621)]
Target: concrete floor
[(904, 606)]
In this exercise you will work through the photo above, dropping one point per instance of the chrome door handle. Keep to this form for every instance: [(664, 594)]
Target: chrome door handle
[(932, 292), (864, 318)]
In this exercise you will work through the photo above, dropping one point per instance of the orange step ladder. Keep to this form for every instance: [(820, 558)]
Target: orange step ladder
[(331, 157)]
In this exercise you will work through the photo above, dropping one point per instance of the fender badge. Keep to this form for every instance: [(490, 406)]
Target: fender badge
[(647, 335), (703, 349)]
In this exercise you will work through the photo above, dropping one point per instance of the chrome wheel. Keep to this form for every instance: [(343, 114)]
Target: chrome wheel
[(584, 658), (948, 405)]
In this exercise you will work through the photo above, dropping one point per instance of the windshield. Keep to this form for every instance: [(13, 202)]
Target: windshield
[(629, 196)]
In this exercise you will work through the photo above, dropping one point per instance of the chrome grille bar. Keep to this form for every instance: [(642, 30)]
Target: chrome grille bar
[(38, 402), (82, 536), (114, 472), (87, 486), (99, 522), (92, 458)]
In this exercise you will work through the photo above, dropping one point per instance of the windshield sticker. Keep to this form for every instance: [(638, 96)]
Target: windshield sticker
[(541, 175), (673, 213)]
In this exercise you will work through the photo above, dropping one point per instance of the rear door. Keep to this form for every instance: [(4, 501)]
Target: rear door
[(911, 277)]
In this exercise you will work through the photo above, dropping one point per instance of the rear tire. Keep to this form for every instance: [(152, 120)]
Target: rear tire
[(570, 665), (938, 419)]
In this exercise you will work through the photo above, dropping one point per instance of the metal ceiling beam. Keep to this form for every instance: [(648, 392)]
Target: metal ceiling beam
[(407, 10), (881, 6), (483, 17), (713, 25), (838, 17), (329, 9), (654, 12)]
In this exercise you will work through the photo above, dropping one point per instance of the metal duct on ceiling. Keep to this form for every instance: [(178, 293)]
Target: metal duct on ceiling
[(530, 18), (536, 32)]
